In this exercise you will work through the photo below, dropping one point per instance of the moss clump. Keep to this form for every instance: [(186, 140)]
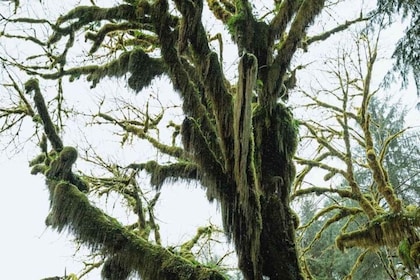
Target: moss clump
[(385, 230), (404, 254), (72, 210), (415, 253), (142, 67)]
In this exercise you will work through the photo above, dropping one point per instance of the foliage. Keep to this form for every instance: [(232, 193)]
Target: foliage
[(406, 51)]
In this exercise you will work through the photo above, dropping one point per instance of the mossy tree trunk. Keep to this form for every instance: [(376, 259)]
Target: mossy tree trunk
[(243, 150)]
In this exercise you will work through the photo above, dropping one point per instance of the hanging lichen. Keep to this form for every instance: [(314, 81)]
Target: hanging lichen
[(142, 67), (386, 230), (242, 121)]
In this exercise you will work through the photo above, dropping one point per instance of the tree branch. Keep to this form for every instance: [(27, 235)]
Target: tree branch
[(174, 171), (72, 210), (339, 28), (385, 230), (49, 128), (306, 14)]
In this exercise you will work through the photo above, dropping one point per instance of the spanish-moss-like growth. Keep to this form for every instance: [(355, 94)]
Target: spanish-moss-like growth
[(175, 171), (71, 210), (113, 269), (386, 230), (61, 169), (142, 67)]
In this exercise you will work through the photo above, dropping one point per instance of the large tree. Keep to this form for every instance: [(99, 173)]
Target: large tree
[(238, 139)]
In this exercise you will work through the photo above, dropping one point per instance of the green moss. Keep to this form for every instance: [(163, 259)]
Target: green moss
[(49, 128), (415, 253), (160, 173), (235, 21), (71, 210), (404, 254), (385, 230), (142, 67)]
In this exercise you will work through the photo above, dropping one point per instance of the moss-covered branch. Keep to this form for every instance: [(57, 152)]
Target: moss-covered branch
[(342, 213), (98, 37), (211, 74), (385, 230), (301, 175), (388, 140), (325, 35), (379, 173), (321, 165), (142, 67), (49, 127), (222, 10), (141, 132), (324, 142), (24, 38), (305, 15), (284, 15), (328, 106), (71, 210), (198, 124), (83, 15), (174, 171), (344, 193)]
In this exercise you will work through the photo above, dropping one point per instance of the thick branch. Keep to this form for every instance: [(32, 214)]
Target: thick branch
[(72, 210), (87, 14), (279, 23), (193, 32), (174, 171), (379, 173), (49, 128), (222, 10), (339, 28), (198, 124), (306, 14), (386, 230)]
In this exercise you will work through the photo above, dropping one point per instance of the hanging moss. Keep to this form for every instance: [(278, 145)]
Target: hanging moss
[(385, 230), (61, 169), (114, 269), (404, 254), (71, 210), (275, 133), (415, 253), (142, 67), (174, 171), (275, 144)]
